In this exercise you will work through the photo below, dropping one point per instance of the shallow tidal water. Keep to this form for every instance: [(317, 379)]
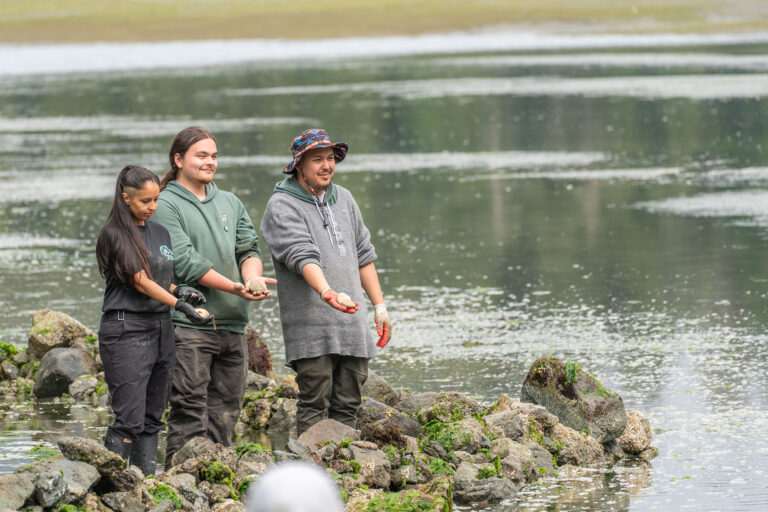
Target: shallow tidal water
[(607, 205)]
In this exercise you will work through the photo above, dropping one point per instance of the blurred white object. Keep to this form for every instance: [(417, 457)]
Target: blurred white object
[(294, 487)]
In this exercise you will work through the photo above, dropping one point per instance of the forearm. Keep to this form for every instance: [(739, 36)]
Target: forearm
[(314, 277), (250, 268), (370, 281), (213, 279), (145, 285)]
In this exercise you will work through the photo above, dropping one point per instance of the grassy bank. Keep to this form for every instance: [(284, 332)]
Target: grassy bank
[(158, 20)]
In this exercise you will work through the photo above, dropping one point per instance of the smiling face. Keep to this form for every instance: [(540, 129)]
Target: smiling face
[(142, 201), (317, 167), (198, 165)]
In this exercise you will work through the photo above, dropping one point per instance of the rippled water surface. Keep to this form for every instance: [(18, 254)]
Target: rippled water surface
[(605, 205)]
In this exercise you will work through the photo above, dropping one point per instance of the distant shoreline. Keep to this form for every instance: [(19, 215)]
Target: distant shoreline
[(78, 21), (56, 59)]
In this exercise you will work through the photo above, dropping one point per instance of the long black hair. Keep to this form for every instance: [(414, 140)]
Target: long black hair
[(180, 145), (119, 248)]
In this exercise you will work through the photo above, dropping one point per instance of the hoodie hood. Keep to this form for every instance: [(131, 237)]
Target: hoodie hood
[(292, 187), (176, 189)]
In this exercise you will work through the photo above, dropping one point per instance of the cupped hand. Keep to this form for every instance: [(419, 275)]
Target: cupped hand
[(194, 316), (330, 297)]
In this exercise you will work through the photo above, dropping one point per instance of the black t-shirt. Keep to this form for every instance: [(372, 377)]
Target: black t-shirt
[(117, 296)]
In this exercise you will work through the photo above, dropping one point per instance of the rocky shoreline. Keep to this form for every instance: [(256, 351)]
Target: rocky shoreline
[(408, 451)]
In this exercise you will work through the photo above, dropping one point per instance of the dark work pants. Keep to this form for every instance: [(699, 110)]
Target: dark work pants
[(331, 384), (138, 353), (208, 386)]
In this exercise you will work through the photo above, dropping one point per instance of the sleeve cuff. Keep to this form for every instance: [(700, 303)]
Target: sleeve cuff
[(249, 254), (306, 262)]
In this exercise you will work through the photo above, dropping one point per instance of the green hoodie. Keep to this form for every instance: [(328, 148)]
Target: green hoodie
[(215, 233), (292, 187)]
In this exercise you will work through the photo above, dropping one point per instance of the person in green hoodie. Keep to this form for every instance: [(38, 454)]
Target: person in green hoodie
[(216, 248)]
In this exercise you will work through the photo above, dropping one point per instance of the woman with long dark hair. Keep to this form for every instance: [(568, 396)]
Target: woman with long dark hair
[(136, 338)]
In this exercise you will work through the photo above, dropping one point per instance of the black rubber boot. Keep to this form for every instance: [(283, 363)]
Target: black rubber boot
[(119, 444), (145, 454)]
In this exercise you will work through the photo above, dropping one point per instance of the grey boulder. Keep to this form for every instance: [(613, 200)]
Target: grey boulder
[(15, 490), (59, 368)]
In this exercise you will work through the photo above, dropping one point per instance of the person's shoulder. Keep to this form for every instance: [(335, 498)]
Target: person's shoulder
[(343, 195), (342, 191), (226, 195), (154, 227)]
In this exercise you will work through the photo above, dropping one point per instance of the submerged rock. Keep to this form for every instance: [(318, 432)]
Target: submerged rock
[(59, 368), (53, 329), (377, 388), (576, 398)]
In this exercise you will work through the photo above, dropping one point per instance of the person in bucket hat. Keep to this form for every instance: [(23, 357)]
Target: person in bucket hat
[(311, 139), (321, 247)]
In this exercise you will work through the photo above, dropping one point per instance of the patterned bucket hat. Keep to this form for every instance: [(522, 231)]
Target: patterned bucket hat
[(311, 139)]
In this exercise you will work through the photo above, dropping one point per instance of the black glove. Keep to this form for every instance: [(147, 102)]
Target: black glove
[(193, 315), (189, 294)]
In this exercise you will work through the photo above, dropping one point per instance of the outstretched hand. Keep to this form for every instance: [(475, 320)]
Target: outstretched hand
[(240, 290), (331, 297)]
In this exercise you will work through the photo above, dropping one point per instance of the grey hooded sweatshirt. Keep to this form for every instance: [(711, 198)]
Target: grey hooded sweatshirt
[(293, 228)]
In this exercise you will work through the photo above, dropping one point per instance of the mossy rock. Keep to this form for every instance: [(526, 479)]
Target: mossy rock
[(578, 399)]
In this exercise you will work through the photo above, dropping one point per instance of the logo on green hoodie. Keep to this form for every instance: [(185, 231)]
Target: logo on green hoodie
[(224, 220)]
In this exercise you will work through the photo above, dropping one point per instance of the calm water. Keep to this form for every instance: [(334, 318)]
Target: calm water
[(608, 206)]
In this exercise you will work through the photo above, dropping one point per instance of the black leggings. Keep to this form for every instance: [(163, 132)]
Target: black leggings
[(139, 353)]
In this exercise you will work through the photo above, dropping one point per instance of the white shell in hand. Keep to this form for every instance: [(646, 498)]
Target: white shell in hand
[(345, 300), (256, 285), (202, 312)]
